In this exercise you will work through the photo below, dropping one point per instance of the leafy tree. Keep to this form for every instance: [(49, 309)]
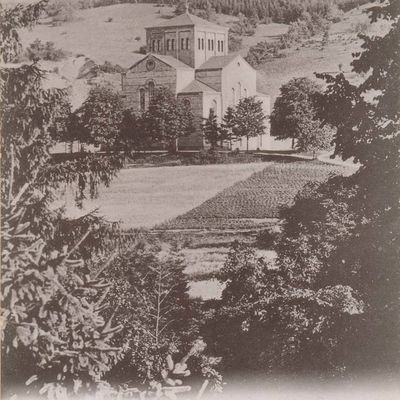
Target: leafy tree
[(167, 119), (100, 118), (249, 119), (133, 136), (228, 126), (261, 53), (211, 130), (54, 335), (295, 116)]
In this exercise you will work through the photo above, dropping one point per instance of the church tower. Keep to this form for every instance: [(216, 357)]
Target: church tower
[(188, 38)]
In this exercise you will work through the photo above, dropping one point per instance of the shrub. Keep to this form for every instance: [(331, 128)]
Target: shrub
[(142, 50), (61, 10), (39, 51), (261, 53), (110, 68), (235, 41)]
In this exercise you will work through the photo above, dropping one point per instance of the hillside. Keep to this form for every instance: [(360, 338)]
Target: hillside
[(115, 33)]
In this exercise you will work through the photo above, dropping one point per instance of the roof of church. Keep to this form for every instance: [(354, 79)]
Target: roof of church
[(197, 87), (218, 62), (187, 19), (169, 60)]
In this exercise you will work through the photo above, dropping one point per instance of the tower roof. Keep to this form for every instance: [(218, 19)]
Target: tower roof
[(187, 19)]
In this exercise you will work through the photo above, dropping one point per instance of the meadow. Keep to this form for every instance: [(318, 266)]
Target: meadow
[(256, 199)]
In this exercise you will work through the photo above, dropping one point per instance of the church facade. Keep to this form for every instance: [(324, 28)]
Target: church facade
[(189, 55)]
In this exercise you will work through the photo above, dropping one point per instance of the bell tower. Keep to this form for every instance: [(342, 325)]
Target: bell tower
[(188, 38)]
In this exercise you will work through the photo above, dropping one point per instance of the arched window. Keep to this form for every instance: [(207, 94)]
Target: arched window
[(212, 44), (222, 46), (151, 87), (199, 42), (168, 43), (233, 96), (142, 99), (219, 45), (158, 45), (240, 90), (153, 47), (187, 43), (172, 44), (182, 43), (202, 44), (187, 103)]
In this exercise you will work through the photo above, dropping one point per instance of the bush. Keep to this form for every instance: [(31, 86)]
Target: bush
[(39, 51), (142, 50), (110, 68), (235, 41), (61, 10), (261, 53)]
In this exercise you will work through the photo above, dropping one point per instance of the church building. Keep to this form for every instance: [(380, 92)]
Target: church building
[(189, 55)]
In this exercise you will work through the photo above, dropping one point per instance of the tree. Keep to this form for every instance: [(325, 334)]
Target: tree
[(167, 119), (211, 130), (100, 118), (249, 118), (165, 326), (54, 335), (133, 136), (295, 115), (228, 126)]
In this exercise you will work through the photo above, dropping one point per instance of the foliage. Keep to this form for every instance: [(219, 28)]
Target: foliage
[(331, 302), (167, 118), (39, 51), (54, 335), (211, 130), (248, 118), (295, 116), (244, 26), (100, 118), (110, 68), (61, 10), (152, 282), (261, 53), (234, 42)]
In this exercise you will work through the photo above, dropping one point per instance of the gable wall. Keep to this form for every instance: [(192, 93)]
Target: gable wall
[(138, 78), (235, 73)]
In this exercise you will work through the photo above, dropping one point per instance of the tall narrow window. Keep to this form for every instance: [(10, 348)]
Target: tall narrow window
[(172, 44), (168, 44), (153, 47), (212, 44), (158, 45), (240, 90), (219, 45), (142, 99), (202, 44), (151, 90), (187, 43), (199, 42), (222, 46), (214, 107), (182, 43), (209, 44)]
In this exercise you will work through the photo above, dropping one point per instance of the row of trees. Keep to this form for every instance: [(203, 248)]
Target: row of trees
[(245, 120), (103, 121)]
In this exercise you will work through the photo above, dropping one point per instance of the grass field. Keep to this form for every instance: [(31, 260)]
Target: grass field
[(143, 197), (256, 198)]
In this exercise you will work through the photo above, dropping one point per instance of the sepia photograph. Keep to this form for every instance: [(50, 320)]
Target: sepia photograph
[(200, 199)]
